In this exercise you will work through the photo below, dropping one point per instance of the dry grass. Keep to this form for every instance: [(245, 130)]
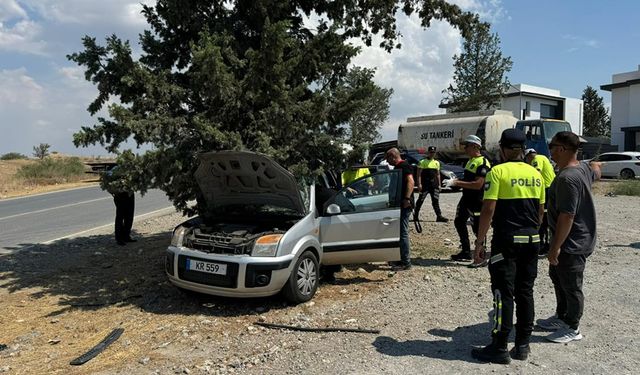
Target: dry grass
[(12, 186)]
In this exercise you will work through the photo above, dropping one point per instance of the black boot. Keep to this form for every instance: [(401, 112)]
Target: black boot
[(520, 352), (496, 352), (463, 255)]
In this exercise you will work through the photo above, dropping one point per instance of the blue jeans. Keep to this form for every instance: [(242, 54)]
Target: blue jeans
[(405, 253)]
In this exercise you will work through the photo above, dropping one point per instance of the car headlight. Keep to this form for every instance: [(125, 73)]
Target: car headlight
[(266, 246), (178, 236)]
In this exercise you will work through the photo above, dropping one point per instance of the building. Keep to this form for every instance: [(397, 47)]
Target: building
[(529, 102), (625, 110)]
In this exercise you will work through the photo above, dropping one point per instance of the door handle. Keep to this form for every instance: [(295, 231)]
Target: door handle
[(388, 220)]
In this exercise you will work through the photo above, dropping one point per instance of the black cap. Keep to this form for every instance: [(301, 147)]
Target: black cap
[(512, 138), (432, 149)]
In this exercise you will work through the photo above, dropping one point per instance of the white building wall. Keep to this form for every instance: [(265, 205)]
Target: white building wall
[(573, 108), (573, 112), (619, 115)]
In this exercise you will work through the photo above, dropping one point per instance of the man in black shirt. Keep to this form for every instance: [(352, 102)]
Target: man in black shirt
[(406, 205)]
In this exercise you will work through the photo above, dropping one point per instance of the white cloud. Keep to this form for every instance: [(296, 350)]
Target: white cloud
[(17, 88), (91, 12), (417, 72), (24, 37), (10, 9), (579, 42)]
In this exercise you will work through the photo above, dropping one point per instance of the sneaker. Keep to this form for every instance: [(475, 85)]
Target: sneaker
[(442, 219), (552, 323), (463, 255), (402, 267), (491, 353), (565, 335), (520, 352), (484, 263)]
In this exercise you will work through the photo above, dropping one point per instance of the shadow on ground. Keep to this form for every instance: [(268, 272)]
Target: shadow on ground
[(454, 345), (93, 272)]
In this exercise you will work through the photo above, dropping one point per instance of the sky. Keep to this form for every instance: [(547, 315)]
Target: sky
[(564, 45)]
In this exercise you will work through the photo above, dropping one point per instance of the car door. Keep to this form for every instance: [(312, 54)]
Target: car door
[(606, 168), (365, 224)]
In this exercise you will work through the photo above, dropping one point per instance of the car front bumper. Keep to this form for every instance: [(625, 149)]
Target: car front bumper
[(245, 276)]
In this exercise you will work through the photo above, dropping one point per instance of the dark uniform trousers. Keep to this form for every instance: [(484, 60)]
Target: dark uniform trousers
[(463, 212), (125, 206), (513, 268), (433, 190)]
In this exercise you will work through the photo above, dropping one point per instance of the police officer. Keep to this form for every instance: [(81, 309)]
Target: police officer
[(542, 164), (472, 185), (429, 183), (513, 205)]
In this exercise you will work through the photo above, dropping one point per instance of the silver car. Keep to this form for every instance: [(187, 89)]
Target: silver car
[(262, 231)]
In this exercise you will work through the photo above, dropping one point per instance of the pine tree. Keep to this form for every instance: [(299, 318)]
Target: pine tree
[(597, 122), (242, 74), (479, 79)]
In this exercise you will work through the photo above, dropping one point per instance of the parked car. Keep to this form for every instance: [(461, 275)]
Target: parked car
[(261, 231), (624, 165), (447, 171)]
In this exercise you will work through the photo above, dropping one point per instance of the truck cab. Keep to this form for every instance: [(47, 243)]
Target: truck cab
[(539, 132)]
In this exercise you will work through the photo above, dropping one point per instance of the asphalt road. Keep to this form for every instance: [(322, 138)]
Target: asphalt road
[(43, 218)]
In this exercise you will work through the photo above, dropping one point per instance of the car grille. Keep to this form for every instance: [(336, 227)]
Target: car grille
[(230, 280), (219, 243)]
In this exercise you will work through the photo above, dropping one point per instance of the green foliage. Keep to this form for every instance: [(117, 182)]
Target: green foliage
[(12, 156), (41, 151), (597, 122), (243, 74), (631, 187), (52, 171), (479, 79)]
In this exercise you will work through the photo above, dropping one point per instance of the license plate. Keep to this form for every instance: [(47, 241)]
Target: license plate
[(207, 267)]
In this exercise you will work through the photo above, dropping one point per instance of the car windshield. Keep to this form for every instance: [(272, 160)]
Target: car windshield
[(551, 128)]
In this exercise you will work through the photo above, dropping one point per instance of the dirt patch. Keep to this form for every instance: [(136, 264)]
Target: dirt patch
[(59, 300)]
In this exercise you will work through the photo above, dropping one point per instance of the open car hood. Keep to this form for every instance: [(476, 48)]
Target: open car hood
[(232, 179)]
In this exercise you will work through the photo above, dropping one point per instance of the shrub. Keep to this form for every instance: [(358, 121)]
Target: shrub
[(12, 156), (631, 187), (51, 171), (41, 151)]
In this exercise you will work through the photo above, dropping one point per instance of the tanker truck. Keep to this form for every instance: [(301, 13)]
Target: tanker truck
[(447, 131)]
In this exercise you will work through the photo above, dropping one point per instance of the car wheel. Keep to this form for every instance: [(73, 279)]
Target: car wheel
[(627, 174), (303, 281)]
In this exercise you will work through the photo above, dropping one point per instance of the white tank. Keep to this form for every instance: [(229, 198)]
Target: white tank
[(448, 130)]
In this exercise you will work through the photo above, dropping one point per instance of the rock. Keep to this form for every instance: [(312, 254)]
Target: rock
[(143, 361), (426, 278), (310, 304), (54, 341), (261, 309), (348, 321)]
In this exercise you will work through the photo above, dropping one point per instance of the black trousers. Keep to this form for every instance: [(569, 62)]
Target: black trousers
[(125, 206), (567, 279), (463, 212), (513, 268), (434, 191)]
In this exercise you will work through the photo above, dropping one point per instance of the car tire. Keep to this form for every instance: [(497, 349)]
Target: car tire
[(303, 281), (627, 174)]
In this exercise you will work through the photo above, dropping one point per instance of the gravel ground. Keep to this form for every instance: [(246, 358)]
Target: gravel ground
[(61, 299)]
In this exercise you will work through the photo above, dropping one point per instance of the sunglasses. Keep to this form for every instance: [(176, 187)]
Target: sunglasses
[(552, 145)]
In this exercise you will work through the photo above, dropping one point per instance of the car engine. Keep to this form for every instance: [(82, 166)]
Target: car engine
[(226, 238)]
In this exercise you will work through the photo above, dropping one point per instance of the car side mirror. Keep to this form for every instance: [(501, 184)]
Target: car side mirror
[(333, 209)]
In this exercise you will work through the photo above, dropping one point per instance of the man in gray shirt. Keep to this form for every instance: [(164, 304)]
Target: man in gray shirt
[(572, 220)]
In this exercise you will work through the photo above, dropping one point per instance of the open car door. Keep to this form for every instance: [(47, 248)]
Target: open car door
[(361, 223)]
